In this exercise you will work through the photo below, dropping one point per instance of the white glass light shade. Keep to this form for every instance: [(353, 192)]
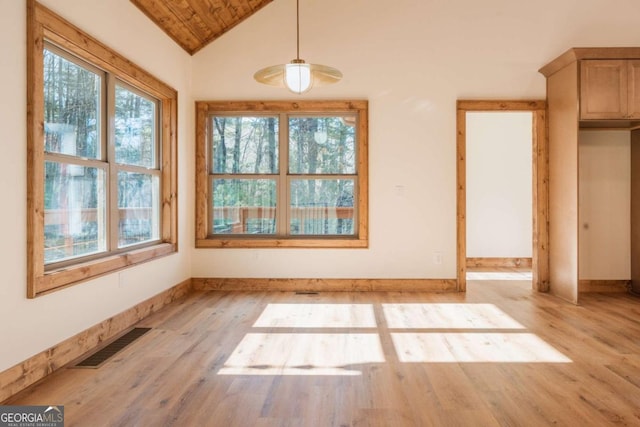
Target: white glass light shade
[(297, 77), (314, 74)]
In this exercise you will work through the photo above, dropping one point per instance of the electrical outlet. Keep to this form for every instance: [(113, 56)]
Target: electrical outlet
[(437, 257)]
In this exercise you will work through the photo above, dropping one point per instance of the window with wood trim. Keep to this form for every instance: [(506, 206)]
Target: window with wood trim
[(101, 158), (282, 174)]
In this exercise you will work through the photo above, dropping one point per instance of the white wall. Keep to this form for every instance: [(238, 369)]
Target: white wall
[(604, 207), (412, 59), (30, 326), (499, 184)]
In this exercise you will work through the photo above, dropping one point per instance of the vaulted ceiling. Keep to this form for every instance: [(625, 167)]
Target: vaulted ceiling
[(193, 24)]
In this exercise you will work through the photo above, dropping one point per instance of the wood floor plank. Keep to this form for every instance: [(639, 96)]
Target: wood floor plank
[(367, 359)]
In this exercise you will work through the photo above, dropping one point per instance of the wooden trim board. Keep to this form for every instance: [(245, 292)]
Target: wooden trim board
[(540, 172), (44, 363), (499, 262), (604, 285), (324, 285), (461, 196)]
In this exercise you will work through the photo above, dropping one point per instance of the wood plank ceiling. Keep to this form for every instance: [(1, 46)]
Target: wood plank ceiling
[(193, 24)]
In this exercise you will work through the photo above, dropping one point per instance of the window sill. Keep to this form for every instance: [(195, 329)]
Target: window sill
[(335, 242), (61, 278)]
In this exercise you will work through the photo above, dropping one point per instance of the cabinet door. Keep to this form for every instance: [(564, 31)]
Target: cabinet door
[(634, 89), (603, 89)]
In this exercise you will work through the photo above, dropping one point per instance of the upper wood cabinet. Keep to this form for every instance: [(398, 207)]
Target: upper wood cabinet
[(633, 79), (609, 89)]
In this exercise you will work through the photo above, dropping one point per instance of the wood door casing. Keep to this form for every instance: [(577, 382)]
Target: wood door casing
[(540, 171)]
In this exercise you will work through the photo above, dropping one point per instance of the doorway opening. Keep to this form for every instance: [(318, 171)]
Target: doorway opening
[(474, 118)]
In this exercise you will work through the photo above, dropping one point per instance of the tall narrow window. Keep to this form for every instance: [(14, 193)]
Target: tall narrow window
[(286, 175), (101, 158), (136, 165), (75, 187)]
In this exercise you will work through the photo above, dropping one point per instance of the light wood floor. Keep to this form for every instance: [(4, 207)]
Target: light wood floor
[(499, 355)]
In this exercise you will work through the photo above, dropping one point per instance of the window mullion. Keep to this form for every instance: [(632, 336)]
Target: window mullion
[(282, 208), (110, 151), (210, 228)]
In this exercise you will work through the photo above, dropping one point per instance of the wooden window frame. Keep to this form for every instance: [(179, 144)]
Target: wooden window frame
[(44, 25), (205, 109)]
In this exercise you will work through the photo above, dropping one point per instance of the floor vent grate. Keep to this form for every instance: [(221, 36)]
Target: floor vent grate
[(307, 293), (101, 356)]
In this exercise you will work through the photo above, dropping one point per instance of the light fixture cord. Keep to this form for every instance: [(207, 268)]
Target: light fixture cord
[(297, 29)]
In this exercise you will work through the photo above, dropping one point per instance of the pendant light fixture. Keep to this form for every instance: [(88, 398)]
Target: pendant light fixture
[(298, 76)]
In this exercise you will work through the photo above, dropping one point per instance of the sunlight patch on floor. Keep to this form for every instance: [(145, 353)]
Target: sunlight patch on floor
[(419, 332), (447, 316), (303, 354), (317, 316), (463, 347)]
